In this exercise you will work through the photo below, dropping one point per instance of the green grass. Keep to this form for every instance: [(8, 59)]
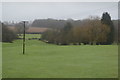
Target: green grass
[(31, 36), (43, 60)]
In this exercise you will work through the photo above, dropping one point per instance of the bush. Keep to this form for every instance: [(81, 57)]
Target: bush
[(8, 35)]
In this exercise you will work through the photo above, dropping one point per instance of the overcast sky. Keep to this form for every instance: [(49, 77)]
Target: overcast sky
[(19, 11), (59, 0)]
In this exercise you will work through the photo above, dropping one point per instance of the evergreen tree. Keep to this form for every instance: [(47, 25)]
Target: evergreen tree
[(106, 19)]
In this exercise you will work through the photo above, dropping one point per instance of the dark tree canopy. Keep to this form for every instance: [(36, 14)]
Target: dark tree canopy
[(106, 19)]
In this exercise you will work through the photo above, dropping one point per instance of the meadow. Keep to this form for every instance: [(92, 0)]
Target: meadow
[(27, 36), (42, 60)]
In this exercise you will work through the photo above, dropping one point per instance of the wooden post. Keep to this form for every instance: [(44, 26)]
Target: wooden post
[(24, 38)]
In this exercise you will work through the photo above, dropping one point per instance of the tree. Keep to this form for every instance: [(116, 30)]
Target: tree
[(66, 34), (7, 35), (91, 32), (106, 19), (103, 31), (20, 28)]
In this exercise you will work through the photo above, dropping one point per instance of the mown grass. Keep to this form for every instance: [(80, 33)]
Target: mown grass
[(31, 36), (43, 60)]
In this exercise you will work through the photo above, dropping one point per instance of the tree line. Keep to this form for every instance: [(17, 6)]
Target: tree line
[(54, 23), (92, 31), (7, 34), (88, 31)]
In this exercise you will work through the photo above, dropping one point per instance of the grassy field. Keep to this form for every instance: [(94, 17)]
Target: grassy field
[(31, 36), (43, 60)]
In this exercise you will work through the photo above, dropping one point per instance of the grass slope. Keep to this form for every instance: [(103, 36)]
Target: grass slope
[(51, 61)]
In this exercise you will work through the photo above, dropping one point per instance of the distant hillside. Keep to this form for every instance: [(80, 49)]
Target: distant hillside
[(53, 23)]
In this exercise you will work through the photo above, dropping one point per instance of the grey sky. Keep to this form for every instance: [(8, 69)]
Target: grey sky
[(18, 11)]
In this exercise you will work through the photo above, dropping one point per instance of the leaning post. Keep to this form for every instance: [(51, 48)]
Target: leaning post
[(24, 38)]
